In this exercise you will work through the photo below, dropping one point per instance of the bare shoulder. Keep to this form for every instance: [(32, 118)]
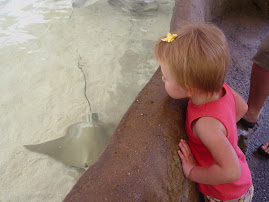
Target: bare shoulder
[(236, 94), (205, 126)]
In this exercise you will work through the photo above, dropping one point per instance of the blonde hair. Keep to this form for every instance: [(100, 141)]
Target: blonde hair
[(198, 58)]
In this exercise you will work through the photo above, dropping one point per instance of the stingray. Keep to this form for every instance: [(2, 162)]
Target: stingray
[(81, 146), (84, 141)]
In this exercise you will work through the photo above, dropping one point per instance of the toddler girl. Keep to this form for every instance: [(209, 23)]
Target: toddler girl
[(194, 62)]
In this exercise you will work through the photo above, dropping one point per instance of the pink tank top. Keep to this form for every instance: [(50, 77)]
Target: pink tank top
[(224, 110)]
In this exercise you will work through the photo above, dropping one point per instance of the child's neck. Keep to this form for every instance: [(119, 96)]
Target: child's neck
[(199, 99)]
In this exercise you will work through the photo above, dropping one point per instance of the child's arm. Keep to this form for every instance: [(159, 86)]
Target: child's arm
[(213, 134), (241, 105)]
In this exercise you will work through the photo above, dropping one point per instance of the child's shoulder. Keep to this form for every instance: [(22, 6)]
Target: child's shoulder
[(208, 126)]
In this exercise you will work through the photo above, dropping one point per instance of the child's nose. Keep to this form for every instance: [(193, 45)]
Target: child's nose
[(163, 79)]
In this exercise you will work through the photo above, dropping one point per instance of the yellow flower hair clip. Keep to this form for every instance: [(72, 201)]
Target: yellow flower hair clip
[(169, 37)]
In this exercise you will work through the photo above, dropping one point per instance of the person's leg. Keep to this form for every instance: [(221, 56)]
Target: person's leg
[(258, 93), (259, 87)]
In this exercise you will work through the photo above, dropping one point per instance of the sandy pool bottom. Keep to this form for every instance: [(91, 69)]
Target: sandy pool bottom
[(42, 87)]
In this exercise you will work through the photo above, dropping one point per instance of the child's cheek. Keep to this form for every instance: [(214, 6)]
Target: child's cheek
[(168, 90)]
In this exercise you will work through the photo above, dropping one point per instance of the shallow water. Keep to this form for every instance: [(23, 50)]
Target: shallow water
[(42, 45)]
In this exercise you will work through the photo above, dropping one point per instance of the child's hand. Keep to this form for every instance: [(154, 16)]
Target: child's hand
[(187, 159)]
